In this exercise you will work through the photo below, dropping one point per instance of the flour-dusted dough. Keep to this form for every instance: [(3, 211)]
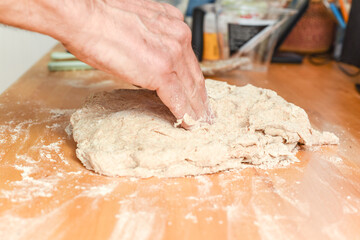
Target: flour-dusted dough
[(131, 133)]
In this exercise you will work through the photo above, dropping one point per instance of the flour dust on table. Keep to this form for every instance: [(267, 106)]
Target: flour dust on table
[(132, 133)]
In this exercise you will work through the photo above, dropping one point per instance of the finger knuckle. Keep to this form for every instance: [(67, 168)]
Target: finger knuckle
[(183, 33), (176, 50), (161, 17), (173, 11), (164, 64)]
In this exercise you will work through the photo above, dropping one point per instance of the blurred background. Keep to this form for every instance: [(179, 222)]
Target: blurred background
[(19, 50), (227, 34)]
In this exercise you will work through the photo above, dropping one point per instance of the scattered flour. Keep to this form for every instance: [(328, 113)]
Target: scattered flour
[(53, 126), (335, 159), (33, 183), (138, 225), (28, 187), (190, 216), (56, 112), (15, 227), (204, 185), (53, 151), (99, 191)]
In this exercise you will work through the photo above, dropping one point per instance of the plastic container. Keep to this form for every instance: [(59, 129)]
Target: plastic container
[(242, 31)]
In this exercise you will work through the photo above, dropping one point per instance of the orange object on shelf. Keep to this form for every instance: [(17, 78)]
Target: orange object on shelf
[(344, 11), (211, 47)]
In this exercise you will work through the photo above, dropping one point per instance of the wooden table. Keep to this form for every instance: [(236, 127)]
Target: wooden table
[(45, 192)]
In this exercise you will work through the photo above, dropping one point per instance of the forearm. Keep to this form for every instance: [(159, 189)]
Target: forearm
[(43, 16)]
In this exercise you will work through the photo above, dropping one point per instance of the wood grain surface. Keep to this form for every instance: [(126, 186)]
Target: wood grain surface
[(45, 192)]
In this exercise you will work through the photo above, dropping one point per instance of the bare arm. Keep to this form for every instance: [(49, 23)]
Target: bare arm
[(141, 41)]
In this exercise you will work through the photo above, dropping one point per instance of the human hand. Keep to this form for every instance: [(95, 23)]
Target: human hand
[(143, 42)]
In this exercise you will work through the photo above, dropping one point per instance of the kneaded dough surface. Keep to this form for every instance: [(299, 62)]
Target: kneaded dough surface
[(132, 133)]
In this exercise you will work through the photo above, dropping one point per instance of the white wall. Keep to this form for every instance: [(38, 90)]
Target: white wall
[(19, 50)]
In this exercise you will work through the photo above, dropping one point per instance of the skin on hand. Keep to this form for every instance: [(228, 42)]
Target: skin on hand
[(143, 42)]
